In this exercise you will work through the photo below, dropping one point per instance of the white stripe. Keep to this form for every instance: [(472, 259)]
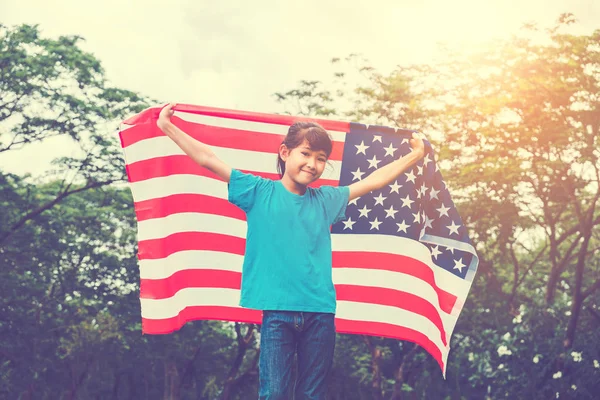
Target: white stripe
[(156, 188), (190, 222), (172, 306), (190, 259), (162, 146), (262, 127), (391, 315), (124, 127), (161, 227), (189, 297), (392, 280)]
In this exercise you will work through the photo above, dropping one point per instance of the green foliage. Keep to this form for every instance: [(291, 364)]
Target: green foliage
[(516, 127)]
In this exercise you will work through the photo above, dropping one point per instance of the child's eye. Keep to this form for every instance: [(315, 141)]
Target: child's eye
[(304, 153), (322, 160)]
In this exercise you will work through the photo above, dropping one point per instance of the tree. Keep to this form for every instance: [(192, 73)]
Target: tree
[(51, 87), (517, 129)]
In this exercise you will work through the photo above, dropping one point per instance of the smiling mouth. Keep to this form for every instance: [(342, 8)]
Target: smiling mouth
[(308, 172)]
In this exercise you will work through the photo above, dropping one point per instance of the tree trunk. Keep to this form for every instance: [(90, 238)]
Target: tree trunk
[(243, 342), (554, 273), (375, 366), (76, 383), (400, 374), (577, 298), (171, 391), (116, 386)]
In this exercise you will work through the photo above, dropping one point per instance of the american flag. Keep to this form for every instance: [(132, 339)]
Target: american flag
[(402, 261)]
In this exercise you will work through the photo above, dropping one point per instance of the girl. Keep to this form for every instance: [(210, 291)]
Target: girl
[(287, 269)]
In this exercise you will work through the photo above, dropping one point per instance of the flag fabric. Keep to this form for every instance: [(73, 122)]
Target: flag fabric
[(402, 260)]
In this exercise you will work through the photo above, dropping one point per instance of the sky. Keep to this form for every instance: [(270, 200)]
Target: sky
[(237, 54)]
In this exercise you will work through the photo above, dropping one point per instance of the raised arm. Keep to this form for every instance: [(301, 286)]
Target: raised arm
[(386, 174), (198, 151)]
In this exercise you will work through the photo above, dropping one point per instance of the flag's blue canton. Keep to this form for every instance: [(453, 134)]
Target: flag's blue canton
[(417, 205)]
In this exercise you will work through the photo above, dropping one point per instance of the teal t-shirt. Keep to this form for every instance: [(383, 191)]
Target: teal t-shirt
[(287, 265)]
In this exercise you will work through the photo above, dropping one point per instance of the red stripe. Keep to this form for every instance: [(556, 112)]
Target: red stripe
[(396, 263), (190, 313), (221, 137), (189, 278), (394, 298), (168, 325), (210, 278), (186, 203), (151, 114), (160, 248), (184, 165), (390, 331)]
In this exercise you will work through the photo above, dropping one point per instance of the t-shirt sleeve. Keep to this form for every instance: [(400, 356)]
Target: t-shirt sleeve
[(335, 201), (244, 188)]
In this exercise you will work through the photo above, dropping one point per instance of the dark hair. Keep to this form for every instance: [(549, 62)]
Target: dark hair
[(318, 139)]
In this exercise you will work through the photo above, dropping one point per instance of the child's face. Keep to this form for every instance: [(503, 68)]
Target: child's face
[(303, 164)]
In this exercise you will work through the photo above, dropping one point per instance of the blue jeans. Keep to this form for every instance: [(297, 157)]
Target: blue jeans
[(283, 333)]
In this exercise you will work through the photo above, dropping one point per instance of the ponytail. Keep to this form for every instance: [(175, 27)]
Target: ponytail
[(280, 165)]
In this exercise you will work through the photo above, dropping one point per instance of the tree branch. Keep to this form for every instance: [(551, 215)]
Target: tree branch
[(48, 206), (595, 286)]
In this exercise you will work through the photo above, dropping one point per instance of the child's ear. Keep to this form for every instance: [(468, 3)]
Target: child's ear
[(284, 152)]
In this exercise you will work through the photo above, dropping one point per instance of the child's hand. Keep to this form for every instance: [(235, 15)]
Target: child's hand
[(165, 115), (417, 145)]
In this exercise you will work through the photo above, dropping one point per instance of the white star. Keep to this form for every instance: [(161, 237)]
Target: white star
[(389, 151), (437, 168), (450, 249), (394, 187), (391, 212), (375, 224), (423, 190), (433, 194), (443, 210), (426, 160), (402, 227), (404, 141), (427, 222), (435, 252), (459, 265), (361, 148), (379, 199), (419, 170), (417, 218), (354, 201), (373, 162), (348, 224), (406, 202), (453, 228), (357, 174), (377, 138), (364, 212), (410, 177)]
